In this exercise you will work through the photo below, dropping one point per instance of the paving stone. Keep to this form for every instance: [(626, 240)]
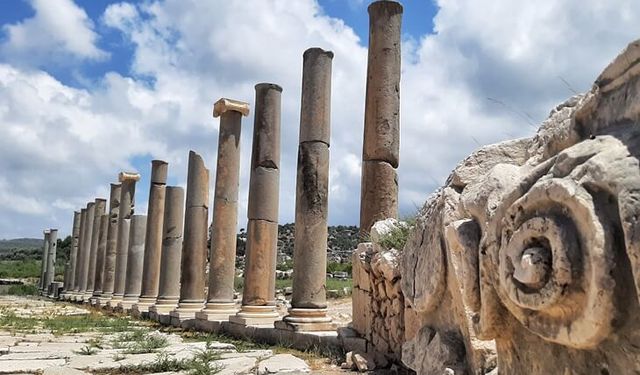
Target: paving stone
[(239, 365), (9, 367), (283, 363), (61, 370)]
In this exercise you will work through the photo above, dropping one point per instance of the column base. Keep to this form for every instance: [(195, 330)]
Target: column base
[(185, 314), (141, 309), (306, 320), (102, 301), (160, 311), (86, 296), (127, 303), (217, 311), (112, 304), (255, 316)]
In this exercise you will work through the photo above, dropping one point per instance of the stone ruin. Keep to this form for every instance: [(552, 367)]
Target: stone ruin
[(527, 261)]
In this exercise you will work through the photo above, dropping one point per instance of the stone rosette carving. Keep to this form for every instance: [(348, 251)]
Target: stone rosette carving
[(534, 245)]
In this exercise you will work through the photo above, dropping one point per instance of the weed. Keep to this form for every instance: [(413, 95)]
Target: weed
[(139, 341), (87, 350)]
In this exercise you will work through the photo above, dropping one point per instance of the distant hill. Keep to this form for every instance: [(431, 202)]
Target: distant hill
[(21, 243)]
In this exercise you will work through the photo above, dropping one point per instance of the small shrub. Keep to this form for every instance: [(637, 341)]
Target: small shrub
[(87, 350)]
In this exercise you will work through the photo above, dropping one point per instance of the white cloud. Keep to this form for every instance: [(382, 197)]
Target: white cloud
[(492, 71), (58, 30)]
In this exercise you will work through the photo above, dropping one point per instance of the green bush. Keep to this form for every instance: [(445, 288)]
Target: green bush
[(23, 290), (339, 267)]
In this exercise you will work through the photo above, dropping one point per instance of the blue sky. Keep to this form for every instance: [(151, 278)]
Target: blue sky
[(92, 87)]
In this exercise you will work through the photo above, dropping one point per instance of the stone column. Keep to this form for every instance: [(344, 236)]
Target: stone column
[(381, 148), (127, 202), (73, 256), (81, 255), (45, 254), (222, 264), (153, 244), (308, 310), (194, 249), (102, 248), (169, 286), (112, 240), (86, 248), (51, 259), (99, 208), (135, 260), (258, 298)]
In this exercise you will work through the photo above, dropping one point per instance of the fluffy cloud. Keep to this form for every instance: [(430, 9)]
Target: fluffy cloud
[(58, 30), (491, 71)]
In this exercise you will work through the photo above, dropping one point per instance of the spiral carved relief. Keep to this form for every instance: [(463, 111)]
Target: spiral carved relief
[(554, 264)]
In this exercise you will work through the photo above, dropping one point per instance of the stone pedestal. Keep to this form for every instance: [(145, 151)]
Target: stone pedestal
[(73, 257), (169, 285), (153, 243), (99, 209), (194, 250), (86, 248), (126, 209), (135, 261), (379, 196), (108, 272), (51, 260), (43, 265), (220, 304), (258, 299), (309, 301)]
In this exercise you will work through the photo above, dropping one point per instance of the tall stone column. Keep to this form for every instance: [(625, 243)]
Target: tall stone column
[(308, 310), (112, 240), (99, 208), (127, 202), (81, 255), (51, 259), (381, 148), (169, 285), (135, 261), (86, 245), (222, 265), (73, 256), (194, 249), (258, 298), (153, 244), (102, 248), (45, 254)]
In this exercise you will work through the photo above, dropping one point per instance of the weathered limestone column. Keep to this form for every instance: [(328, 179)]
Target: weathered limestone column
[(169, 286), (135, 261), (86, 245), (194, 249), (153, 244), (220, 304), (102, 248), (99, 208), (73, 256), (127, 202), (112, 240), (81, 255), (45, 254), (308, 310), (51, 259), (381, 148), (258, 298), (67, 267)]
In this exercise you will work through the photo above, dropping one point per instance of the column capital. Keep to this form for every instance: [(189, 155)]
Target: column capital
[(223, 105), (128, 176)]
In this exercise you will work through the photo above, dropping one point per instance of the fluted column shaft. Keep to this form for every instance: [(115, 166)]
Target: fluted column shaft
[(51, 259), (135, 261), (81, 252), (127, 203), (45, 254), (86, 246), (99, 209), (111, 245), (73, 256)]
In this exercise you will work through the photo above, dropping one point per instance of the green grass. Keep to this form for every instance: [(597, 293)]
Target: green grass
[(23, 290), (20, 269), (332, 284), (138, 341), (62, 324), (87, 350)]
